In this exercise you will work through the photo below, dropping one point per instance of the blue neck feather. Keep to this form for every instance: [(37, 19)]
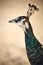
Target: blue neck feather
[(30, 39)]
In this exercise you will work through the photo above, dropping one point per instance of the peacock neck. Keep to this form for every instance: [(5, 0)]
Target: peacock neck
[(29, 36), (29, 31)]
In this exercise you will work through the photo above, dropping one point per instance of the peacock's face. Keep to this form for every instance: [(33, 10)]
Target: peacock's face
[(22, 23)]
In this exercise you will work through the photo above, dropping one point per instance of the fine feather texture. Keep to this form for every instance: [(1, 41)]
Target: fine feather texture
[(33, 47)]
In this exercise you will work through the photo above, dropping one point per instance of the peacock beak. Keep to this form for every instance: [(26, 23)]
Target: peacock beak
[(12, 21)]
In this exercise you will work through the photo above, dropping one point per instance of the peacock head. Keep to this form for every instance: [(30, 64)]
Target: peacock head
[(22, 22), (31, 10)]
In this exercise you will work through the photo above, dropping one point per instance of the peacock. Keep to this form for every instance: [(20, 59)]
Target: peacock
[(34, 48)]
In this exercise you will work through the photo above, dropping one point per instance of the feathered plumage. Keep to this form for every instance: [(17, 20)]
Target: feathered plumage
[(33, 46)]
